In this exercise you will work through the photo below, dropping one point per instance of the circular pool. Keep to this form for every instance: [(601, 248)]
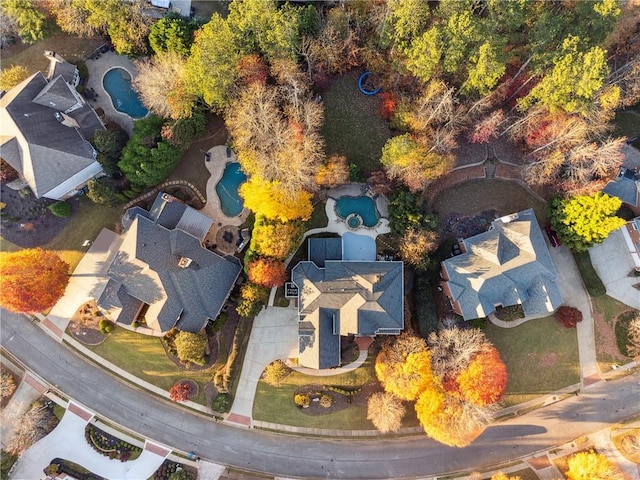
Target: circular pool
[(117, 83), (354, 221)]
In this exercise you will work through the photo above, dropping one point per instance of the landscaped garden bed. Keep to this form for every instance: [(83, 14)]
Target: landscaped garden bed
[(85, 324), (169, 467), (109, 445)]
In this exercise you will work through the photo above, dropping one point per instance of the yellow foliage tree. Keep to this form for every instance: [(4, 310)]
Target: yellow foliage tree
[(272, 201), (275, 239), (12, 76), (405, 379), (592, 466)]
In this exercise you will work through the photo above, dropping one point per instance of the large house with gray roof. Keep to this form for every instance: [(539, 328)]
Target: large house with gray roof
[(45, 125), (160, 269), (510, 264), (341, 298), (626, 186)]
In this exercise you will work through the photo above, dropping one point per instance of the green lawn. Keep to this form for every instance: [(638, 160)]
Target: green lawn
[(275, 404), (592, 282), (85, 224), (605, 311), (627, 123), (144, 357), (477, 195), (68, 46), (541, 357), (352, 125)]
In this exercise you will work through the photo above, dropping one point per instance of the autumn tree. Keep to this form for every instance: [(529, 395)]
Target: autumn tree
[(274, 202), (415, 164), (253, 69), (161, 83), (7, 385), (592, 466), (484, 380), (584, 220), (190, 347), (267, 272), (12, 76), (31, 22), (416, 246), (31, 280), (252, 298), (212, 66), (385, 410), (275, 373), (452, 349), (275, 239), (180, 392), (334, 172), (30, 427)]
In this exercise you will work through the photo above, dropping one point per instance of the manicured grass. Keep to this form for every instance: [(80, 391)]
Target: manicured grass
[(68, 46), (605, 312), (594, 285), (85, 224), (275, 404), (318, 218), (477, 195), (541, 357), (145, 358), (352, 125)]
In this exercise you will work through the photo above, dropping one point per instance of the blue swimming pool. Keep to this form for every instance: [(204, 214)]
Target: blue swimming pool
[(227, 189), (117, 83), (362, 206)]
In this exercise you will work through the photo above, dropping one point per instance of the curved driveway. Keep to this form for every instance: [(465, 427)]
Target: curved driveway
[(283, 455)]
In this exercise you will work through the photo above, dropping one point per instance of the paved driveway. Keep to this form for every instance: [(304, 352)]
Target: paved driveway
[(613, 263), (274, 335)]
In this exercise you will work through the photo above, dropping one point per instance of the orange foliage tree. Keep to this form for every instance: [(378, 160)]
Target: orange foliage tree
[(334, 171), (484, 381), (592, 466), (269, 199), (275, 239), (267, 272), (31, 280)]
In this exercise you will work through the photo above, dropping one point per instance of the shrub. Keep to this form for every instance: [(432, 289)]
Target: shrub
[(217, 325), (385, 411), (302, 400), (60, 209), (627, 330), (221, 403), (275, 372), (180, 391), (7, 385), (326, 401), (106, 326), (180, 474), (569, 316), (190, 347)]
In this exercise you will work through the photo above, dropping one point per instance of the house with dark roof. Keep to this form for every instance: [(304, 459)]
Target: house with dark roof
[(626, 186), (160, 269), (631, 235), (45, 125), (342, 298), (510, 264)]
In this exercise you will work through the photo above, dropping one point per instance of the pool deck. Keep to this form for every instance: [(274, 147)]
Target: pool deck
[(222, 223), (97, 68), (339, 225)]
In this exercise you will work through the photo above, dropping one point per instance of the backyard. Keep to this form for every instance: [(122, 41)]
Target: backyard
[(353, 126), (541, 357)]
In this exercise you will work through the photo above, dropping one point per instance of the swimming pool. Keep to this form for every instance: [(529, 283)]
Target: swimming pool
[(356, 209), (117, 83), (227, 189)]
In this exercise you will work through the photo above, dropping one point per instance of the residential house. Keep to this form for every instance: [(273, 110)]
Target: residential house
[(631, 234), (45, 127), (161, 271), (626, 186), (509, 264), (340, 298)]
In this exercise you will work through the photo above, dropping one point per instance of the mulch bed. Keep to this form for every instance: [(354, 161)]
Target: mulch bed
[(26, 220), (84, 325), (339, 400), (455, 226)]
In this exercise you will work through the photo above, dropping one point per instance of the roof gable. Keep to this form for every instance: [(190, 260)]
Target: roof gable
[(56, 95)]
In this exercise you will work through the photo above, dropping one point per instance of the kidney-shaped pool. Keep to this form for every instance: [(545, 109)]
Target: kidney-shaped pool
[(117, 83)]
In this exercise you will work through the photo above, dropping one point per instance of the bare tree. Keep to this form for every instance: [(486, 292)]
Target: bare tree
[(633, 347), (385, 411), (32, 425), (416, 246), (7, 385), (452, 349)]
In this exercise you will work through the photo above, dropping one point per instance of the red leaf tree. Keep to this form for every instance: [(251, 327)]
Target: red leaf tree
[(569, 316), (267, 272), (31, 280), (180, 392)]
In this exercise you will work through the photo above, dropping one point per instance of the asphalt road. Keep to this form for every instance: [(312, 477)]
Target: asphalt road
[(290, 456)]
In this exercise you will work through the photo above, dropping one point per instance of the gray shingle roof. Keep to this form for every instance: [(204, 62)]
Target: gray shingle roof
[(507, 265), (49, 152), (147, 267), (57, 95), (364, 298), (626, 186), (321, 249), (59, 66)]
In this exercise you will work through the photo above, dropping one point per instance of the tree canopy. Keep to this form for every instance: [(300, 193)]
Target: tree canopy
[(31, 280)]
